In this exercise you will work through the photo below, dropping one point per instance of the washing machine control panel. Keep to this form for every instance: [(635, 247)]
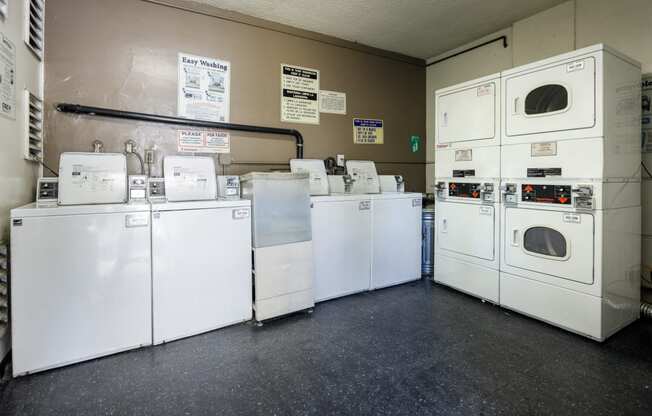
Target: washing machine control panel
[(137, 188), (156, 189)]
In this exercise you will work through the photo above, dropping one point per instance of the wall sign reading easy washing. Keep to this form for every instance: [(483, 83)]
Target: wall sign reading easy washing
[(367, 131), (299, 94), (203, 90)]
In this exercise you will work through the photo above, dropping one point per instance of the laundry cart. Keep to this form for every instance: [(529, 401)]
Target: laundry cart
[(282, 242)]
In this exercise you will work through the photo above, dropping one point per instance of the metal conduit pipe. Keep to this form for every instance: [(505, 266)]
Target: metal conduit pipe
[(180, 121), (646, 310)]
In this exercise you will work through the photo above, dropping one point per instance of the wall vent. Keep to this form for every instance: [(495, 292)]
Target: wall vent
[(3, 8), (34, 131), (35, 16)]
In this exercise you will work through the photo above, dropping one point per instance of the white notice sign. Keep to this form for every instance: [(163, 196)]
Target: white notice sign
[(299, 94), (7, 78), (198, 141), (203, 88), (368, 131), (332, 102)]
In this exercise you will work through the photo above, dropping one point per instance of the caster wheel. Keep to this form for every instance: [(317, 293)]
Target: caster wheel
[(259, 324)]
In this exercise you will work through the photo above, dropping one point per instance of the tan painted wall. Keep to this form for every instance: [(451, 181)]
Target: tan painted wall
[(17, 175), (545, 34), (123, 54)]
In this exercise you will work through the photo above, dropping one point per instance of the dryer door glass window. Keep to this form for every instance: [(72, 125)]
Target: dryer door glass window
[(545, 241), (546, 99)]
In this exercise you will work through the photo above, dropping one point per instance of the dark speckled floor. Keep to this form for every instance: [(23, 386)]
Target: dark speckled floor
[(415, 349)]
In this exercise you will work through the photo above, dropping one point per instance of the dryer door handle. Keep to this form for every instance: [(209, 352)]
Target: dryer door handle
[(515, 237), (444, 225), (515, 108)]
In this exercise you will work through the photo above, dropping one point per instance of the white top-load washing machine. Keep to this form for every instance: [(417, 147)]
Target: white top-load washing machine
[(571, 191), (201, 252), (341, 236), (282, 242), (467, 169), (395, 229), (81, 281)]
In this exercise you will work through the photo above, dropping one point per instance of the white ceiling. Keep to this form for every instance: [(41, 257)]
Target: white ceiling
[(419, 28)]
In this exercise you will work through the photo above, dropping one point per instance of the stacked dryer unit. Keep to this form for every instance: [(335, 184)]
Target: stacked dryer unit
[(201, 252), (395, 228), (571, 216), (467, 169), (341, 235)]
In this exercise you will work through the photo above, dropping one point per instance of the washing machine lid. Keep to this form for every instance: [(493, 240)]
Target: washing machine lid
[(396, 195), (34, 210), (340, 198), (194, 205), (189, 178)]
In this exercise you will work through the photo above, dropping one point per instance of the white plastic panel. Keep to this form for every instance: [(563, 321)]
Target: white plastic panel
[(467, 114), (364, 172), (571, 310), (189, 178), (483, 161), (562, 243), (523, 91), (341, 234), (396, 231), (283, 279), (518, 158), (467, 277), (201, 270), (466, 229), (92, 178), (81, 288), (317, 172)]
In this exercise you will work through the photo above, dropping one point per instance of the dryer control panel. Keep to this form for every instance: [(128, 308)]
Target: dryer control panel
[(472, 190), (576, 196), (464, 190), (548, 194)]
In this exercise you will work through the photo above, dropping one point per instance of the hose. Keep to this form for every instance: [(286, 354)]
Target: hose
[(140, 159)]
